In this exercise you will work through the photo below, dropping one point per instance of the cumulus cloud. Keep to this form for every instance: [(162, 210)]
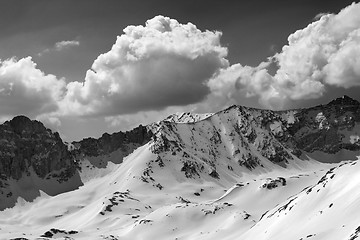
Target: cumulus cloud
[(343, 68), (325, 53), (24, 89), (150, 72), (164, 63)]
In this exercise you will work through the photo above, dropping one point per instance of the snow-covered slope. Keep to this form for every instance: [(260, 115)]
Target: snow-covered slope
[(328, 209), (146, 196), (241, 173), (187, 117)]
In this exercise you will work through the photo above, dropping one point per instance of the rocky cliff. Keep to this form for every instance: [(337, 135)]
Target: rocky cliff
[(109, 143), (328, 128), (33, 159), (26, 144)]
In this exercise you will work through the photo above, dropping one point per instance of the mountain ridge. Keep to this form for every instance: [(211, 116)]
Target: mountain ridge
[(214, 168), (317, 125)]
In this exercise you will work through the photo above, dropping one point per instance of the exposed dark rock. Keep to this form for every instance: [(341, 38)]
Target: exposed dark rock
[(25, 143), (214, 174), (53, 231), (108, 143), (344, 101), (190, 169), (355, 234), (249, 161), (274, 183), (320, 128)]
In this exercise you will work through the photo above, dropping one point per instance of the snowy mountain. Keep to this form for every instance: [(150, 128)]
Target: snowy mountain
[(33, 159), (241, 173)]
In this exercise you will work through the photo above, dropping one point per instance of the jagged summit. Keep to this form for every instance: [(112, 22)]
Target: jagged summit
[(187, 117), (20, 118), (22, 124), (344, 101), (108, 143)]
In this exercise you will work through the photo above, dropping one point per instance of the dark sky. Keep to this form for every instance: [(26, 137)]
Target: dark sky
[(252, 31)]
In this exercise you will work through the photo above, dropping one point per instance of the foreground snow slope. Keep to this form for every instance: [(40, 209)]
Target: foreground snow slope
[(328, 209)]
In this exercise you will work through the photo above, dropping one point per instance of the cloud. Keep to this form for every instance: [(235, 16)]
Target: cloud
[(59, 46), (325, 53), (150, 72), (343, 68), (24, 89), (164, 63), (66, 44), (320, 15), (165, 66)]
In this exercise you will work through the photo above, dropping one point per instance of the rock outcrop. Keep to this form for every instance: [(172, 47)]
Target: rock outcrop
[(327, 128), (109, 143), (26, 144)]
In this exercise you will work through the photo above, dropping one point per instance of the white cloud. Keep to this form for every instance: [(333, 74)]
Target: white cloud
[(59, 46), (65, 44), (151, 67), (325, 53), (343, 68), (24, 89)]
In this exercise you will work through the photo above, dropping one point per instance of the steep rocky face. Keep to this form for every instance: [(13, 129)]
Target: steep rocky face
[(109, 143), (328, 128), (26, 144)]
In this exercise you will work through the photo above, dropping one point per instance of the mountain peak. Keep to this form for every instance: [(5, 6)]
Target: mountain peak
[(344, 100), (22, 123), (20, 118)]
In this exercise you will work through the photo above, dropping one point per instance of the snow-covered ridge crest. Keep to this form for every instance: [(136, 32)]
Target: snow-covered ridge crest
[(187, 117)]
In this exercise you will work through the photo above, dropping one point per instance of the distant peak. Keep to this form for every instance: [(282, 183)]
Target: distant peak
[(344, 100), (21, 123), (20, 120)]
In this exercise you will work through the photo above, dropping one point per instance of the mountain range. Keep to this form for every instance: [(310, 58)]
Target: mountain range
[(241, 173)]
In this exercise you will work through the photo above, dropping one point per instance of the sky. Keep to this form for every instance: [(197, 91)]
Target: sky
[(86, 67)]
